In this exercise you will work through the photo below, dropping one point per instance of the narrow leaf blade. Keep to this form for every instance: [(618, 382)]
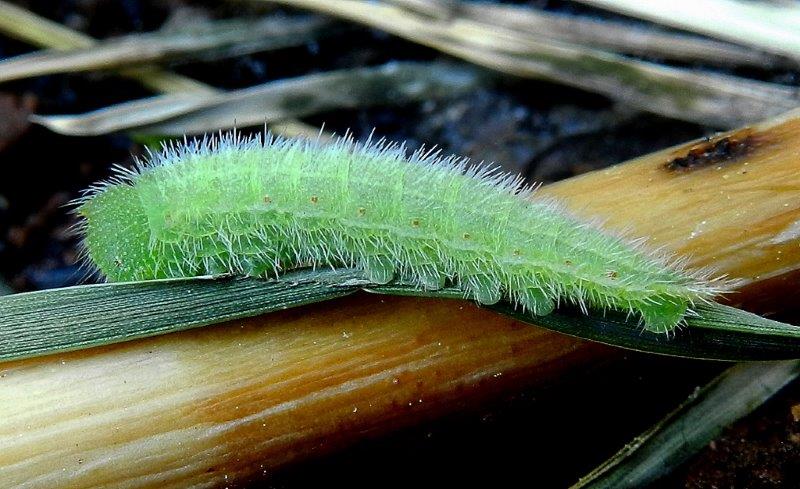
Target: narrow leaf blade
[(40, 323), (72, 318), (682, 433)]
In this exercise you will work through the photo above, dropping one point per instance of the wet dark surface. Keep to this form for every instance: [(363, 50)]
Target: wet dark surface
[(546, 438)]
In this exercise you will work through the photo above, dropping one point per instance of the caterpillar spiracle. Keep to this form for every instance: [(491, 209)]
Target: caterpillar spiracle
[(257, 206)]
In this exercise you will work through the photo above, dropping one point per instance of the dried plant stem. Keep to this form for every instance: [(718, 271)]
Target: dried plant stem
[(713, 99), (26, 26), (213, 40), (618, 36), (177, 115), (771, 26)]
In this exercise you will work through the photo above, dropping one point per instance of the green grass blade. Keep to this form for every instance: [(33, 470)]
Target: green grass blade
[(40, 323), (72, 318), (718, 333), (668, 444)]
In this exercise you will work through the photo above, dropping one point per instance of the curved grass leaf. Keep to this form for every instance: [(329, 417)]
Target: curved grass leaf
[(72, 318), (682, 93), (49, 321), (206, 41), (701, 418), (718, 332)]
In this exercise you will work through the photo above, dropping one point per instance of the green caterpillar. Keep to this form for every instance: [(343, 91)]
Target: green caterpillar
[(258, 207)]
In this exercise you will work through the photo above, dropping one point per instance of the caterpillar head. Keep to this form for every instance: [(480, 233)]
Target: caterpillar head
[(116, 236)]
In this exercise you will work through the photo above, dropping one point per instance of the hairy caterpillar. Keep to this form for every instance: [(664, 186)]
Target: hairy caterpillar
[(257, 207)]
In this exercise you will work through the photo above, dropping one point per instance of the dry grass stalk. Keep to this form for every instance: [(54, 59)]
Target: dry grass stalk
[(26, 26), (392, 83), (209, 41), (619, 36), (712, 99), (771, 26)]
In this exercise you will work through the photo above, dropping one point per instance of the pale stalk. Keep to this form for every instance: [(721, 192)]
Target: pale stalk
[(28, 27), (770, 26)]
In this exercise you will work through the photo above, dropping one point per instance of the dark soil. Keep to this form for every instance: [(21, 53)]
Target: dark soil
[(543, 438)]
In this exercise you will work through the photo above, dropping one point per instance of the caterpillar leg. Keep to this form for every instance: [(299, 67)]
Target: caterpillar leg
[(423, 267), (217, 265), (483, 288), (379, 269), (431, 278), (663, 317), (536, 301), (255, 266)]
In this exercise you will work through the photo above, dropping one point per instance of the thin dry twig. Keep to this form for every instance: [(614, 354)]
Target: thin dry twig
[(771, 26), (619, 37), (393, 83), (26, 26), (208, 41), (709, 98)]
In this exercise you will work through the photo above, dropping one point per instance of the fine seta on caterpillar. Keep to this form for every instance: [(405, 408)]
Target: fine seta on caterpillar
[(257, 207)]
